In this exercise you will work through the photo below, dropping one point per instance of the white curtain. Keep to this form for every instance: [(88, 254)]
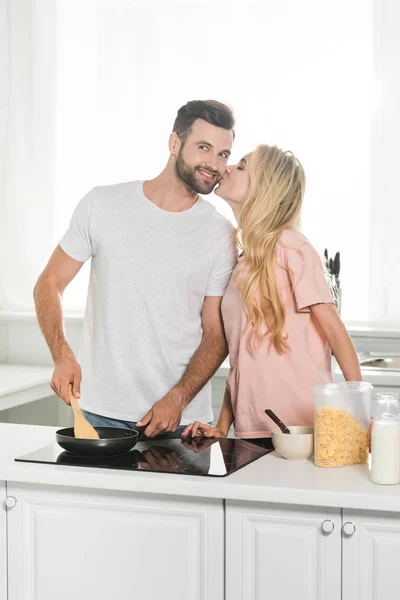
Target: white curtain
[(28, 159), (94, 87)]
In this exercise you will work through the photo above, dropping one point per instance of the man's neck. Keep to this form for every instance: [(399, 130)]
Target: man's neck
[(169, 193)]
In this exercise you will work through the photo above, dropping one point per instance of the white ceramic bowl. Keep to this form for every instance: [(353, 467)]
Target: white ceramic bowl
[(297, 445)]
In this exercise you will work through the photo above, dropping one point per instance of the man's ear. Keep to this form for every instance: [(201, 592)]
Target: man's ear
[(174, 144)]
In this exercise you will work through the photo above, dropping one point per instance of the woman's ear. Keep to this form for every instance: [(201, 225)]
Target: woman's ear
[(174, 144)]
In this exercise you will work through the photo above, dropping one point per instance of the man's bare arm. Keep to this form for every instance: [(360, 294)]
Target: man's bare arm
[(210, 354), (48, 291), (165, 414)]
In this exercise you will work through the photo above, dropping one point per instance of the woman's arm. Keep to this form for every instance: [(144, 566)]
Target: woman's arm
[(338, 340), (226, 416)]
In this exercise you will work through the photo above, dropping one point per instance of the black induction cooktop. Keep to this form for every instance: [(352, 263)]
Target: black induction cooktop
[(207, 458)]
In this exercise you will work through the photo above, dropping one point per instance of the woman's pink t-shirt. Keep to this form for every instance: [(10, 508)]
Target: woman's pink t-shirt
[(281, 382)]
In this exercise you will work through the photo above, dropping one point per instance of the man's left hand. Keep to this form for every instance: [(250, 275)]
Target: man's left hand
[(164, 416)]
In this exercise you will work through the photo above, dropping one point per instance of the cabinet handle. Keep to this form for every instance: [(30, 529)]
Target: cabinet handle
[(348, 529), (327, 526), (11, 502)]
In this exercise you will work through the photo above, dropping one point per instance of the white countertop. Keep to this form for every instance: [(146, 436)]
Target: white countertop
[(20, 384), (268, 479)]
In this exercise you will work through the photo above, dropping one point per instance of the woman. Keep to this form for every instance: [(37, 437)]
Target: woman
[(279, 314)]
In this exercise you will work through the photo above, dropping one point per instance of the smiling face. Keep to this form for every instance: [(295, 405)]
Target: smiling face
[(201, 160), (235, 183)]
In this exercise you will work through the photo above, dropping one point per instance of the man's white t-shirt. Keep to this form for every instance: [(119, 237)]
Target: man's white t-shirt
[(151, 270)]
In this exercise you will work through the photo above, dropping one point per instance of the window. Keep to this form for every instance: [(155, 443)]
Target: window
[(298, 75)]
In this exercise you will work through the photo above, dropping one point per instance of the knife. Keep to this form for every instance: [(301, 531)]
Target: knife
[(336, 264)]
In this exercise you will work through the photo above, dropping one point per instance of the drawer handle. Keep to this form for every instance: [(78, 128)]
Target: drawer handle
[(11, 502), (327, 526), (348, 529)]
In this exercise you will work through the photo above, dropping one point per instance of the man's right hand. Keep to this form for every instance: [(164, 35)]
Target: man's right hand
[(67, 370)]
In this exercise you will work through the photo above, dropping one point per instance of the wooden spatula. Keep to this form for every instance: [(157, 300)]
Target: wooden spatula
[(82, 428)]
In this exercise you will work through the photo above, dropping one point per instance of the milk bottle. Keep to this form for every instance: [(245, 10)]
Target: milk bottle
[(385, 441)]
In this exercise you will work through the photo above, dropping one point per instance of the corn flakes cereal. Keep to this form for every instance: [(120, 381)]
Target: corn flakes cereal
[(340, 440)]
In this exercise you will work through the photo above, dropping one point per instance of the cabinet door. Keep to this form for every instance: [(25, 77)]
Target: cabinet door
[(277, 551), (371, 555), (66, 544), (3, 541)]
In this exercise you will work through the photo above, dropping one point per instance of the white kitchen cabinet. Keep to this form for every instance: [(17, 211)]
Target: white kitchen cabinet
[(3, 542), (275, 551), (371, 555), (65, 543)]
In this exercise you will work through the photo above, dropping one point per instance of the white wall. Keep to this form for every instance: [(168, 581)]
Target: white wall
[(385, 180), (94, 90)]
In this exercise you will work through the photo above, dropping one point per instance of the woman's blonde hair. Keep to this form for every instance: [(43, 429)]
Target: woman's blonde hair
[(272, 204)]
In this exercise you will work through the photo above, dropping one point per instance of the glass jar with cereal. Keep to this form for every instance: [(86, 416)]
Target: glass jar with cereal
[(342, 418)]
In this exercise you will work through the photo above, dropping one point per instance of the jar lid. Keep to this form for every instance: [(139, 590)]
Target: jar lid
[(342, 386)]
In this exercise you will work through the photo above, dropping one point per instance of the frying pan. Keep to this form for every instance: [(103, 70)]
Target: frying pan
[(113, 441)]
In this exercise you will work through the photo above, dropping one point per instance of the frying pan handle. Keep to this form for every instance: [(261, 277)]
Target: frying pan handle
[(141, 430)]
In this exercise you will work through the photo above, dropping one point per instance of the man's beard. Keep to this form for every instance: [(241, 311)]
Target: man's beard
[(191, 178)]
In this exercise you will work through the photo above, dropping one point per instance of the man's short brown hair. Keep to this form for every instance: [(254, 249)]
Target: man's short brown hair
[(213, 112)]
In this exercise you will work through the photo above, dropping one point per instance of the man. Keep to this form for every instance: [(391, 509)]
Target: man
[(161, 259)]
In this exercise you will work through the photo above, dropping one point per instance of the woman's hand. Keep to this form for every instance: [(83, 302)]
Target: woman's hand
[(199, 429), (199, 436)]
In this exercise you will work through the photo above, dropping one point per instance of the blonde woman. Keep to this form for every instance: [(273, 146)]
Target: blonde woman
[(279, 315)]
